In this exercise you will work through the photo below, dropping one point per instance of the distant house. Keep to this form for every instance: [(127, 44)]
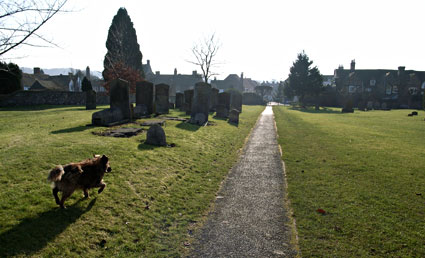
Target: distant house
[(233, 81), (399, 88), (71, 82), (177, 82)]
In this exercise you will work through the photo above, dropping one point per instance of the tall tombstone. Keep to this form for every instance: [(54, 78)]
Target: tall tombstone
[(200, 104), (120, 97), (188, 97), (179, 99), (90, 99), (236, 101), (223, 105), (144, 95), (162, 103), (214, 99)]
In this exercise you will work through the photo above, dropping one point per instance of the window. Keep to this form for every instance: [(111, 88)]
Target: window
[(368, 89), (413, 90), (372, 82), (388, 90), (395, 89), (351, 89)]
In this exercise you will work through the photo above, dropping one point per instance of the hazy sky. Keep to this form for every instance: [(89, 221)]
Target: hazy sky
[(259, 38)]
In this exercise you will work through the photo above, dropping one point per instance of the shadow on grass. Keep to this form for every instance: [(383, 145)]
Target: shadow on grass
[(188, 126), (314, 111), (72, 130), (220, 118), (33, 234), (144, 146)]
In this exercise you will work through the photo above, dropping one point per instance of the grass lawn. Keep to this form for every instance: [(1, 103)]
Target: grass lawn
[(366, 170), (154, 199)]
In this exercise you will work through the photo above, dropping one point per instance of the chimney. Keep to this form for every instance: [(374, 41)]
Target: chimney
[(242, 76), (148, 62), (353, 65), (194, 72), (157, 73), (37, 70), (175, 71), (401, 70)]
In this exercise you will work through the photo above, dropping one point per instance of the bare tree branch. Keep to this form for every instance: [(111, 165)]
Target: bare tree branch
[(21, 20), (204, 54)]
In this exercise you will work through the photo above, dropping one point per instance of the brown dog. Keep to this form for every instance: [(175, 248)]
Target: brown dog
[(82, 175)]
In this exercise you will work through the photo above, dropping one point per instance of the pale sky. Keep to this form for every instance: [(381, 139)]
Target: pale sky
[(259, 38)]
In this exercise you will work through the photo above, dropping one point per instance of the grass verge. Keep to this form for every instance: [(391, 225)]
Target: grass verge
[(154, 198), (365, 171)]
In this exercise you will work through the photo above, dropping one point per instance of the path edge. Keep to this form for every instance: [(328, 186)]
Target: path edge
[(287, 203)]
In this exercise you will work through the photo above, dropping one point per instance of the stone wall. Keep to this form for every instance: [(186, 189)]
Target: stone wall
[(32, 98)]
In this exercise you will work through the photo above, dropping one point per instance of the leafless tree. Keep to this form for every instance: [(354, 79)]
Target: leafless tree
[(22, 19), (204, 53)]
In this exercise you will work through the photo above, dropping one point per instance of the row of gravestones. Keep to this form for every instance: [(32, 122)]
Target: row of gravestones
[(204, 99), (149, 99), (155, 99)]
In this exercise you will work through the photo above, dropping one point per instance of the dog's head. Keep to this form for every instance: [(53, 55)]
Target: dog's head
[(105, 163)]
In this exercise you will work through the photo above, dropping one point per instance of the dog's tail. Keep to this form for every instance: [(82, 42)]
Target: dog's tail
[(55, 174)]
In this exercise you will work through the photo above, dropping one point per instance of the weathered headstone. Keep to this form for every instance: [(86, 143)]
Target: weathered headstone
[(236, 100), (223, 106), (234, 116), (200, 104), (156, 136), (179, 99), (145, 95), (90, 99), (119, 110), (188, 97), (107, 117), (120, 97), (214, 99), (162, 103), (369, 105)]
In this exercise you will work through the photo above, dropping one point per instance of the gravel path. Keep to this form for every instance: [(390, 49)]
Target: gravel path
[(249, 218)]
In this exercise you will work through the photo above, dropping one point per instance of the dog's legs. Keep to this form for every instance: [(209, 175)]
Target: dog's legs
[(86, 193), (55, 194), (65, 195), (102, 186)]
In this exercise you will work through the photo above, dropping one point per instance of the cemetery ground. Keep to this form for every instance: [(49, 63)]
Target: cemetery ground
[(356, 181), (154, 200)]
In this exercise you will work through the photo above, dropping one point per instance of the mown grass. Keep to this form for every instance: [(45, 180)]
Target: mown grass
[(366, 171), (154, 199)]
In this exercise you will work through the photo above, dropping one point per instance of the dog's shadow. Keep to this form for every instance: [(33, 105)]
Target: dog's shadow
[(33, 234)]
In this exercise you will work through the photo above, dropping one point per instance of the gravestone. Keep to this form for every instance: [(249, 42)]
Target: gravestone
[(236, 100), (223, 106), (145, 95), (119, 111), (120, 97), (214, 99), (188, 97), (179, 100), (162, 103), (200, 104), (156, 136), (369, 105), (234, 116), (90, 100)]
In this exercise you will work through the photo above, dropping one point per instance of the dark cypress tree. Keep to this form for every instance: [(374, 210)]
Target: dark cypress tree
[(122, 45), (86, 85), (304, 80)]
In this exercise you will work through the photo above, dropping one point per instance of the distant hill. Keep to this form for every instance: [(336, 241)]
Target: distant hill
[(59, 71)]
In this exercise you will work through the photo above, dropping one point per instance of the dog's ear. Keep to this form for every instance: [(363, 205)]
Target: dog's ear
[(104, 159)]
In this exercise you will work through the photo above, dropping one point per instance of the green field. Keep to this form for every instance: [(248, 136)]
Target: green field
[(155, 196), (366, 170)]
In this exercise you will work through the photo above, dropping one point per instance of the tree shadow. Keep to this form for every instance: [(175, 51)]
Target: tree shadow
[(188, 126), (72, 130), (33, 234), (219, 118), (314, 111)]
